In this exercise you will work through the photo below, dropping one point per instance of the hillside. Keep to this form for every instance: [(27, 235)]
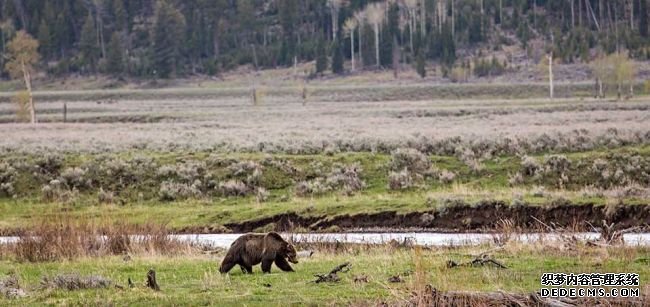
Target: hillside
[(451, 39)]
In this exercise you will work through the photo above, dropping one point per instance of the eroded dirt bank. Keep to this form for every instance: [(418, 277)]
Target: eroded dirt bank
[(484, 217)]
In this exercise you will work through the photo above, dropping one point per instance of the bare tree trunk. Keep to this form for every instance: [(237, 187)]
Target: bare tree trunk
[(550, 75), (601, 94), (534, 13), (377, 44), (28, 85), (580, 13), (360, 44), (632, 14), (573, 15), (395, 57), (453, 18), (411, 24), (593, 15), (18, 4), (500, 11), (254, 56), (352, 47), (601, 12), (423, 19), (215, 40)]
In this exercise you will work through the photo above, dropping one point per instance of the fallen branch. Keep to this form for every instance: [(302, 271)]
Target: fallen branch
[(481, 260), (434, 297), (332, 276)]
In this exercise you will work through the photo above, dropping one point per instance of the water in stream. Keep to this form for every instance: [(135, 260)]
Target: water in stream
[(420, 238)]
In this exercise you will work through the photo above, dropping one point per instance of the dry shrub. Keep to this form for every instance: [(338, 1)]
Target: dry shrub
[(10, 287), (75, 281), (56, 191), (400, 180), (446, 176), (410, 159), (105, 197), (21, 101), (346, 177), (171, 191), (421, 278), (61, 238), (7, 177), (529, 166), (234, 188)]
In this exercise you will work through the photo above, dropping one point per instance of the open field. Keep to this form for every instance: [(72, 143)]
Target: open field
[(209, 160), (222, 161), (216, 190), (194, 279), (337, 122)]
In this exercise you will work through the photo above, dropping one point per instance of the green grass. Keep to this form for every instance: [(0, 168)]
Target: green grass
[(194, 280), (470, 187)]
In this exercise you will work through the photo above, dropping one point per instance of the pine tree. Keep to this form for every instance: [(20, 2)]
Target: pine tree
[(321, 56), (115, 55), (288, 11), (121, 15), (337, 57), (643, 18), (44, 39), (420, 64), (168, 29), (88, 43), (386, 48), (367, 47)]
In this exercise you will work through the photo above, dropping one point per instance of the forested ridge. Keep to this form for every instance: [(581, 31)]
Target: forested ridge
[(173, 38)]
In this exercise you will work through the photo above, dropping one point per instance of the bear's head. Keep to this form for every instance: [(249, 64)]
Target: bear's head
[(291, 253)]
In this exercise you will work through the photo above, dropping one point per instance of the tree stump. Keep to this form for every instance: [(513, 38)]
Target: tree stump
[(151, 280)]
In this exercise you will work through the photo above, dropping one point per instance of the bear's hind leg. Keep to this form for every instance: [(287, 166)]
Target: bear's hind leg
[(283, 264)]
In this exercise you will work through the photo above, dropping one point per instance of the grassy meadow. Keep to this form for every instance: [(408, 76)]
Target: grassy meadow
[(455, 157), (191, 280)]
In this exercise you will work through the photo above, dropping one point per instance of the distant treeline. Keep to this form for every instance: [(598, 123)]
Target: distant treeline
[(169, 38)]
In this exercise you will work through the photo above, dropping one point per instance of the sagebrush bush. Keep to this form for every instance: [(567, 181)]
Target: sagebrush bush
[(261, 194), (105, 197), (75, 178), (56, 191), (234, 188), (410, 159), (7, 177), (311, 188), (51, 163), (446, 176), (530, 167), (346, 177), (557, 164), (515, 179), (400, 180), (171, 191), (75, 281)]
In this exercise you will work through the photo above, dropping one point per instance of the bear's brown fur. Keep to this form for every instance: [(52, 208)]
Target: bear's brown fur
[(253, 248)]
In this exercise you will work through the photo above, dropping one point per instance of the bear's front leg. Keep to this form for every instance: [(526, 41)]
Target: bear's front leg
[(266, 265), (283, 264)]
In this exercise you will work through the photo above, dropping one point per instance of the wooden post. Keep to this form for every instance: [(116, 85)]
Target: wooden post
[(65, 112)]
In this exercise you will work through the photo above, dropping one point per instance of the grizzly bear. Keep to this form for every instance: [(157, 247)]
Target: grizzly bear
[(253, 248)]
